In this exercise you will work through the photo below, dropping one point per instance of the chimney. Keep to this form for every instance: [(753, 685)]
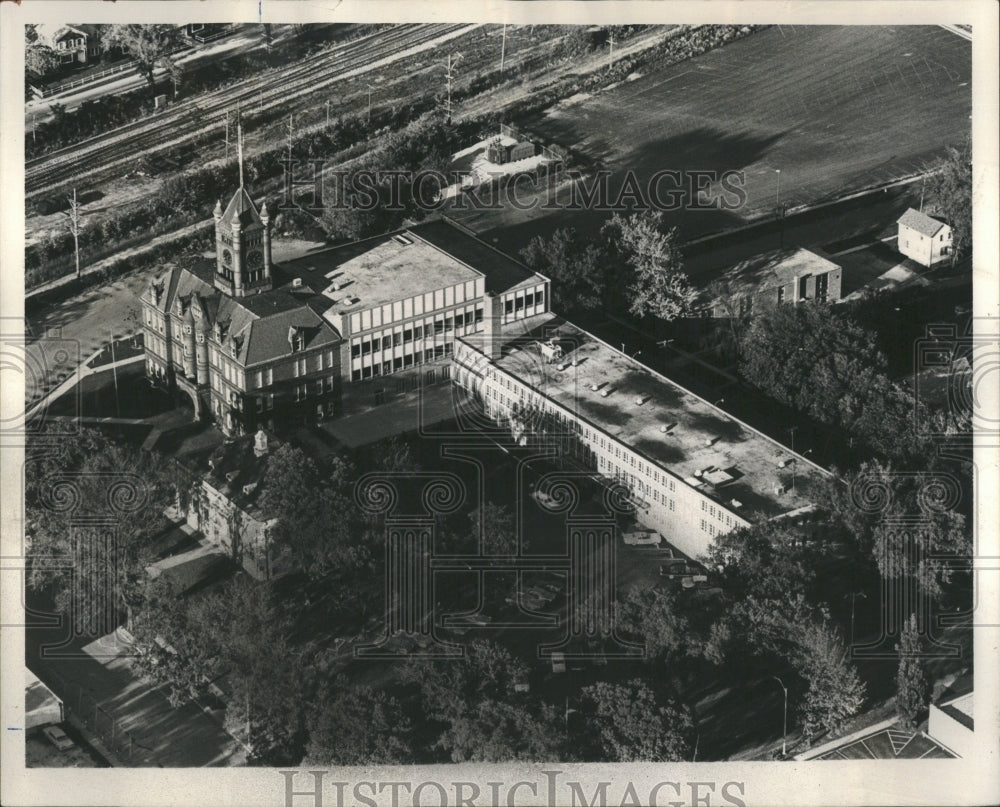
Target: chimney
[(492, 315)]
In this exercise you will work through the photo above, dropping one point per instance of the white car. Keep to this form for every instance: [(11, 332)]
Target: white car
[(558, 663), (58, 738)]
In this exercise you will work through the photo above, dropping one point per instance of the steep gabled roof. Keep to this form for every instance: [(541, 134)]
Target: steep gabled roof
[(921, 222), (241, 206)]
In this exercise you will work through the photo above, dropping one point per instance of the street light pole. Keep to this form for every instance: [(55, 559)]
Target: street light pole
[(784, 722)]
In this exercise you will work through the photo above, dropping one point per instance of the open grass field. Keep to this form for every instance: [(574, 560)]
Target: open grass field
[(834, 109)]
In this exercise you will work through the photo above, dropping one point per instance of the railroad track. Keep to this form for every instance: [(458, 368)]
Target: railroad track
[(191, 119)]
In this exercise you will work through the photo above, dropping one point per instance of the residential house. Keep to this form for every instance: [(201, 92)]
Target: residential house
[(923, 239)]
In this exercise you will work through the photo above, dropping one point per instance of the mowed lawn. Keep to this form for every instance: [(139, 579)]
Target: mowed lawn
[(834, 108)]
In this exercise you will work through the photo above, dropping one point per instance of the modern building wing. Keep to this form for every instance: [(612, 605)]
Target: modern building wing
[(692, 470)]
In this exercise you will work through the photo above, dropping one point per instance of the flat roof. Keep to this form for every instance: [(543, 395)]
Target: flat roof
[(396, 266), (702, 441), (377, 271)]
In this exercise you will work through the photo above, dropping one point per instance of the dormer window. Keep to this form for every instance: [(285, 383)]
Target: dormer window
[(296, 339)]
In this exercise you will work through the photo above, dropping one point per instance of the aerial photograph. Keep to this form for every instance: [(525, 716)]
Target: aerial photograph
[(430, 393)]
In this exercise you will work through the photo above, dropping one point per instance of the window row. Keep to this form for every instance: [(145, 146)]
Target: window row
[(391, 366)]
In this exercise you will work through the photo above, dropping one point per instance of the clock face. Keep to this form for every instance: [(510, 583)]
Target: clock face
[(254, 259), (227, 257)]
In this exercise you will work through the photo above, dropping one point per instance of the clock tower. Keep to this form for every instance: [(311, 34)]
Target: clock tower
[(242, 242), (242, 247)]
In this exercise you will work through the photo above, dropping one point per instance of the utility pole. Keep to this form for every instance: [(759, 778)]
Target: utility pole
[(114, 372), (503, 47), (923, 181), (611, 47), (74, 227), (291, 129), (369, 104), (449, 73), (784, 724), (227, 135), (327, 113), (33, 126)]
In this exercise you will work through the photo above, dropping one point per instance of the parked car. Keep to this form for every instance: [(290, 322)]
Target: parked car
[(58, 738), (558, 663)]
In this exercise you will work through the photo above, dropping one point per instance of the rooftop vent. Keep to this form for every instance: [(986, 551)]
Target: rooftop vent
[(736, 504), (780, 488), (709, 442), (664, 428), (641, 399), (785, 462), (594, 387), (405, 240), (297, 283), (231, 475), (607, 391)]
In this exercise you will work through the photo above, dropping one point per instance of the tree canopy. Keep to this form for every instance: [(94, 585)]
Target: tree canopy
[(90, 475), (913, 690), (576, 267), (314, 510), (821, 363), (950, 192), (39, 58), (629, 723), (359, 725), (149, 46), (658, 285)]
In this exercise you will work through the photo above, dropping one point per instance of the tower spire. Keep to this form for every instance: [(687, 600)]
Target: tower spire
[(239, 141)]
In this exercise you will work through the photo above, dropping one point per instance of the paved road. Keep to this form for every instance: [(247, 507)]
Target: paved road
[(98, 688)]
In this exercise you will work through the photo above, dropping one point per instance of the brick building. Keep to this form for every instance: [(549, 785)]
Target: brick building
[(252, 343), (783, 276)]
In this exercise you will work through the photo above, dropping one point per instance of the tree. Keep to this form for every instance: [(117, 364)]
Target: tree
[(821, 363), (314, 510), (658, 284), (92, 476), (575, 267), (504, 731), (951, 193), (496, 526), (768, 559), (149, 46), (651, 614), (878, 499), (488, 671), (359, 725), (39, 58), (912, 687), (631, 725), (834, 692)]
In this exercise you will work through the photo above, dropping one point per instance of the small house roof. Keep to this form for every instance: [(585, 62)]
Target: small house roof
[(921, 222)]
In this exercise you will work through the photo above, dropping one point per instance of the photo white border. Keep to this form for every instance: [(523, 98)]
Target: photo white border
[(829, 783)]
